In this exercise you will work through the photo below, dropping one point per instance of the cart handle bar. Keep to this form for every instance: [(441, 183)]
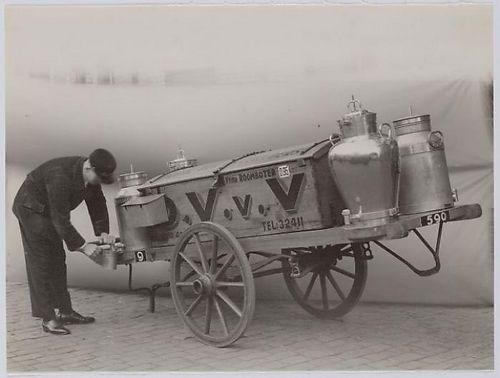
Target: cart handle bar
[(434, 251)]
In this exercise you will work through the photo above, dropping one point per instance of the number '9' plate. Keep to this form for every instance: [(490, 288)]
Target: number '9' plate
[(442, 216), (140, 256)]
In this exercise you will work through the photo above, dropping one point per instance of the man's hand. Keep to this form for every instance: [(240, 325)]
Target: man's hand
[(91, 250), (106, 239)]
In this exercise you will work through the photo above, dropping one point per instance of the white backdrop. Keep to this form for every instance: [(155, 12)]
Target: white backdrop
[(226, 81)]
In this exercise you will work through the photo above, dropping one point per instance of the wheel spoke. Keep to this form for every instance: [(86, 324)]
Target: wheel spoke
[(228, 262), (229, 302), (346, 248), (203, 260), (191, 263), (324, 293), (335, 285), (208, 315), (347, 251), (213, 262), (310, 286), (227, 283), (193, 305), (342, 271), (189, 275), (221, 316)]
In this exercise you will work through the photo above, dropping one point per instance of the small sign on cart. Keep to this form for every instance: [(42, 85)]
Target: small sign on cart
[(284, 171), (140, 256), (442, 216)]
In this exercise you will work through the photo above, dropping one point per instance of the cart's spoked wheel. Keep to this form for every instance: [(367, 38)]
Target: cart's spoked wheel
[(334, 283), (217, 301)]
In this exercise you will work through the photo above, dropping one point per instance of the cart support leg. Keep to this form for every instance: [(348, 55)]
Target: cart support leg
[(434, 251), (150, 290)]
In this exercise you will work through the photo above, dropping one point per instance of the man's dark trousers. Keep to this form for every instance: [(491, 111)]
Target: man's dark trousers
[(45, 264), (46, 271)]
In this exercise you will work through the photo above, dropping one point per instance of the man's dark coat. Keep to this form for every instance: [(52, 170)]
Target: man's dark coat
[(42, 206)]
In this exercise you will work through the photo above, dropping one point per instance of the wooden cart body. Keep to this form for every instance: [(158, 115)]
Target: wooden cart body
[(259, 194)]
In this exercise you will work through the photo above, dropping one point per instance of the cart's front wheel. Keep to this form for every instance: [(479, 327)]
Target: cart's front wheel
[(216, 299), (326, 282)]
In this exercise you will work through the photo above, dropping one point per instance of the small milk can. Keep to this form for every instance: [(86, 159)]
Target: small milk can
[(109, 257), (365, 167), (424, 182)]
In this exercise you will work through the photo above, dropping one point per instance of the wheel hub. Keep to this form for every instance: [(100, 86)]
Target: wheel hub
[(203, 285)]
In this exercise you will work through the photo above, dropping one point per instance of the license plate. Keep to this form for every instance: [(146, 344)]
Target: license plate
[(442, 216)]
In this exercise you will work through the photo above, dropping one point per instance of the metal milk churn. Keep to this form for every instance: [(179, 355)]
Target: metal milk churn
[(365, 167), (424, 183), (134, 238)]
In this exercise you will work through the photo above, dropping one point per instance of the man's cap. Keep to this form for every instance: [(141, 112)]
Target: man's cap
[(104, 164)]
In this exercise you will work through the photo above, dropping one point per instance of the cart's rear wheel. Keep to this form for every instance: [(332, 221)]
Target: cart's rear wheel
[(216, 299), (334, 281)]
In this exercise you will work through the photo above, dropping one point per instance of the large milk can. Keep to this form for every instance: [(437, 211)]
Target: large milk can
[(424, 183), (365, 167), (134, 238)]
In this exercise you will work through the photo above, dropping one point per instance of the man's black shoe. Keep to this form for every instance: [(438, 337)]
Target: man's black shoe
[(55, 327), (75, 318)]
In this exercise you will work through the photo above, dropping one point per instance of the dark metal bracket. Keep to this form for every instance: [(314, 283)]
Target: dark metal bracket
[(367, 252), (434, 251), (150, 290)]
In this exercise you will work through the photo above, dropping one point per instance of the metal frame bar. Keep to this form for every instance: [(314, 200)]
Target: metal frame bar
[(268, 272), (434, 251), (150, 290), (269, 259)]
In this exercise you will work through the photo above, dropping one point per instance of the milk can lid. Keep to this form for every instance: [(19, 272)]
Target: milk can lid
[(358, 121), (132, 178), (412, 124), (413, 119)]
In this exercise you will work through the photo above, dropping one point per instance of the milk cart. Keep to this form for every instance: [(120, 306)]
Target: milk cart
[(223, 224)]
